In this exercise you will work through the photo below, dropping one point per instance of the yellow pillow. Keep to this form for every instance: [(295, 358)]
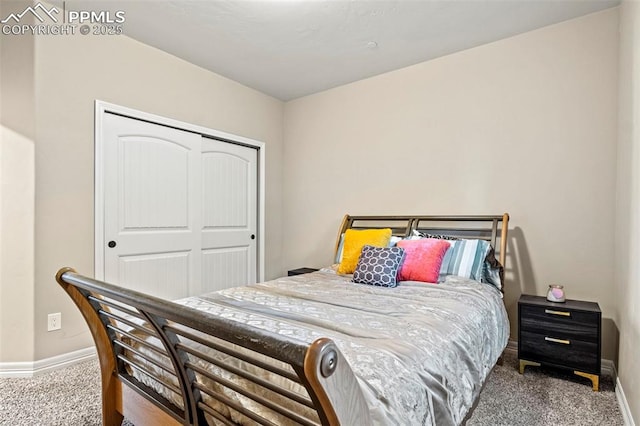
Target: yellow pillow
[(354, 240)]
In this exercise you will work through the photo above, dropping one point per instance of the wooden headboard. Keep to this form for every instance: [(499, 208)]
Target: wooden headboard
[(483, 227)]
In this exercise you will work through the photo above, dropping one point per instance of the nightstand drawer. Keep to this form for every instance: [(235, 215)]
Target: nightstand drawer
[(550, 348), (568, 324)]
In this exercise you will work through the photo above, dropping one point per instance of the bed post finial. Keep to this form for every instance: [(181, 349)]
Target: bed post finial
[(328, 363), (63, 271), (503, 240), (346, 220)]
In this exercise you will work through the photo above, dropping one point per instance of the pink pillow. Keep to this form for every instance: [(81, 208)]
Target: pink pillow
[(422, 259)]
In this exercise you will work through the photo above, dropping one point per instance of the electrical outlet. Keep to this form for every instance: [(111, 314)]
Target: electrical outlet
[(54, 321)]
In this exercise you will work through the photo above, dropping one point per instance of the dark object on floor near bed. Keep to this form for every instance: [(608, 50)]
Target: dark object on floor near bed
[(300, 271)]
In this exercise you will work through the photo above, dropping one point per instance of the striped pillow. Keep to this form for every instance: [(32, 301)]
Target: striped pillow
[(465, 258)]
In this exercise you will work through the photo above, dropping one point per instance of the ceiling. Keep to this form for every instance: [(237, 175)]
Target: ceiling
[(289, 49)]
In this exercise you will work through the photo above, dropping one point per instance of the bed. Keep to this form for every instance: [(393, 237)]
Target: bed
[(309, 349)]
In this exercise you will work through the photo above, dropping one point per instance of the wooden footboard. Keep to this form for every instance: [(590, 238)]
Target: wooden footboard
[(164, 363)]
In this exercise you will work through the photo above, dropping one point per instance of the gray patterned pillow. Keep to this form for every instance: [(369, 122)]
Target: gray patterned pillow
[(379, 266)]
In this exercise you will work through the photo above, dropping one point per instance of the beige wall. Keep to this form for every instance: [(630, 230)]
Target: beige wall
[(16, 246), (72, 72), (17, 130), (628, 205), (526, 125)]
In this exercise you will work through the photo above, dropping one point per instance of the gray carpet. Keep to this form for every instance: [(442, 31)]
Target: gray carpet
[(536, 398), (543, 396)]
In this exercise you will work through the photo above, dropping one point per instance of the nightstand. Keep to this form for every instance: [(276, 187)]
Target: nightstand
[(564, 335), (300, 271)]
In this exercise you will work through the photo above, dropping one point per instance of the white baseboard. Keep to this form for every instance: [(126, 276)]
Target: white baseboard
[(624, 405), (34, 368)]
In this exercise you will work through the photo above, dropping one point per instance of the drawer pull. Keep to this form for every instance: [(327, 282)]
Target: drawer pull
[(551, 339), (552, 312)]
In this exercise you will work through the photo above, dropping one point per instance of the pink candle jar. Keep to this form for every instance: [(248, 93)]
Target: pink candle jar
[(555, 293)]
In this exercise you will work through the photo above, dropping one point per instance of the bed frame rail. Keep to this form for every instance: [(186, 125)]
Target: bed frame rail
[(194, 365)]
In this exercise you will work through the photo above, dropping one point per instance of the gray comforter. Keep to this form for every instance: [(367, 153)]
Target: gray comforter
[(421, 352)]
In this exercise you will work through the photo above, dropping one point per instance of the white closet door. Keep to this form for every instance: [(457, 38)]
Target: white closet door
[(161, 205), (229, 209)]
